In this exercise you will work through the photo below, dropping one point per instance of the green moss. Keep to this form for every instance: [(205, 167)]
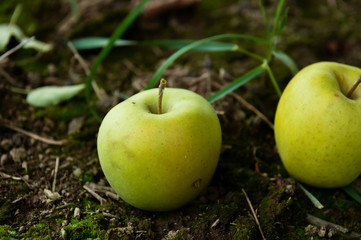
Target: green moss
[(89, 206), (272, 206), (227, 212), (87, 227), (5, 211), (38, 231), (7, 233), (244, 228)]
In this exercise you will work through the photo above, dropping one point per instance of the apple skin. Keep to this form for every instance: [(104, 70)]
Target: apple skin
[(318, 129), (160, 162)]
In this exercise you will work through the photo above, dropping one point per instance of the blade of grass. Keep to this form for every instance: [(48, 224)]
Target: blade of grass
[(15, 16), (286, 60), (236, 83), (277, 17), (74, 6), (313, 199), (123, 26), (195, 44), (263, 11), (212, 46), (99, 42), (272, 40), (283, 21), (352, 193)]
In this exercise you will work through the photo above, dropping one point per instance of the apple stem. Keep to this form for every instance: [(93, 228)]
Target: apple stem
[(354, 87), (162, 85)]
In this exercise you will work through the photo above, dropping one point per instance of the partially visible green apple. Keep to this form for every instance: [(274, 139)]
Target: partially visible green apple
[(160, 162), (318, 128)]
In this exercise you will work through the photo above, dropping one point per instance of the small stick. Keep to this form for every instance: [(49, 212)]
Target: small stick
[(253, 213), (249, 106), (55, 173), (323, 223), (86, 69), (358, 81), (5, 123), (17, 47), (253, 109), (162, 85), (97, 196), (79, 58)]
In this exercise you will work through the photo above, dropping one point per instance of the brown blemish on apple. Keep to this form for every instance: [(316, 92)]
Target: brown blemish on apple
[(336, 95), (197, 183)]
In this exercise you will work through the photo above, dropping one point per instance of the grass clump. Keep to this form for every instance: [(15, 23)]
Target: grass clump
[(244, 228), (7, 232), (38, 231), (87, 227)]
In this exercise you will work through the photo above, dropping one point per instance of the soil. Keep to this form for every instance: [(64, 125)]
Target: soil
[(58, 191)]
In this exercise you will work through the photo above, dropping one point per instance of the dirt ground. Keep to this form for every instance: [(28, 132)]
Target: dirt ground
[(57, 190)]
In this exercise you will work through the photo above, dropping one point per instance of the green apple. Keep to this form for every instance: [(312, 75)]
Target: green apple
[(318, 128), (160, 162)]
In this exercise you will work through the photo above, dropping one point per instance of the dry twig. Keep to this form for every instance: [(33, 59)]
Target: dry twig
[(14, 49), (7, 124), (99, 92), (249, 106), (323, 223), (94, 194), (55, 173), (253, 213)]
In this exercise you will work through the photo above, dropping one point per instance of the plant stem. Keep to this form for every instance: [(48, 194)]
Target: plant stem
[(250, 54), (273, 79), (162, 85), (358, 81)]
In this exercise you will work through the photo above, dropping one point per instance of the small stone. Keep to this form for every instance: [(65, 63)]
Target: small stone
[(17, 154), (3, 159), (63, 233), (77, 213), (24, 165), (331, 233), (75, 125), (77, 172), (6, 144), (64, 223), (311, 230), (322, 231), (53, 196)]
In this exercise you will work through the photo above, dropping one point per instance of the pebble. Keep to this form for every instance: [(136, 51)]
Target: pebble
[(63, 233), (75, 125), (77, 172), (3, 159), (53, 196), (77, 213), (6, 144), (17, 154)]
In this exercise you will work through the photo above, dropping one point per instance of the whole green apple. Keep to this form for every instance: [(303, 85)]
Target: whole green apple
[(318, 128), (160, 162)]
